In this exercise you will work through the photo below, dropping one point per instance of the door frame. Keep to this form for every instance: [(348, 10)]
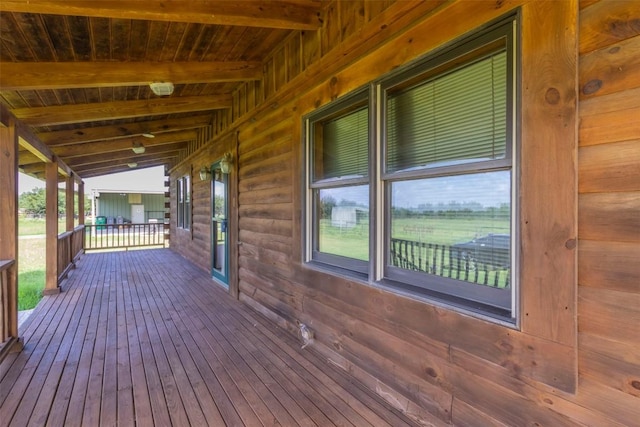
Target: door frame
[(225, 279)]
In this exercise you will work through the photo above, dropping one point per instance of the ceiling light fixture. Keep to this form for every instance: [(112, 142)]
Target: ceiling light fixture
[(138, 148), (148, 135), (132, 165), (162, 88)]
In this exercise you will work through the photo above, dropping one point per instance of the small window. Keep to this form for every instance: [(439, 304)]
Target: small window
[(183, 195), (338, 200)]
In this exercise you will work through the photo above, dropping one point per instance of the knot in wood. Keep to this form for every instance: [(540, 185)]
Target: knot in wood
[(552, 96), (592, 86)]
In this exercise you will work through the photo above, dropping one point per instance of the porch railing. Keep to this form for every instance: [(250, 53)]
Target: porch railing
[(123, 236), (69, 249), (450, 261), (7, 296)]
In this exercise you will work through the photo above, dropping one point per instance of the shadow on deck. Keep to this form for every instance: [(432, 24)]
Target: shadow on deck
[(146, 338)]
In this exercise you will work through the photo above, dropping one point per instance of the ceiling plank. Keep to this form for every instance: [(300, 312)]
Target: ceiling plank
[(123, 130), (80, 113), (124, 168), (248, 13), (110, 165), (68, 151), (79, 161), (73, 75)]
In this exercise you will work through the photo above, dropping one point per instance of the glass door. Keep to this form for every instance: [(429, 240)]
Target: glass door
[(219, 222)]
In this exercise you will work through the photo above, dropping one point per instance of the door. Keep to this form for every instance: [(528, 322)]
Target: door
[(219, 225), (137, 214)]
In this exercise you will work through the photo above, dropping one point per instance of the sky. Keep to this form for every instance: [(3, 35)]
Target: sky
[(149, 179)]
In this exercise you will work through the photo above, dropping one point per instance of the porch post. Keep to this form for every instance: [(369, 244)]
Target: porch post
[(80, 202), (69, 203), (51, 216), (9, 237)]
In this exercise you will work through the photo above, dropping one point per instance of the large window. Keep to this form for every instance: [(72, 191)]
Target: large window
[(441, 180), (183, 194)]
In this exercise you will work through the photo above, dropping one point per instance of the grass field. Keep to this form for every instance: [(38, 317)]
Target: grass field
[(33, 226), (31, 271), (354, 242)]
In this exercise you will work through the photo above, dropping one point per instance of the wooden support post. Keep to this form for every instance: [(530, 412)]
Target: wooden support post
[(80, 203), (69, 202), (51, 175), (9, 235)]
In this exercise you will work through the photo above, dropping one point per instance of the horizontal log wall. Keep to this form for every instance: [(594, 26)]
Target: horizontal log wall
[(436, 365), (609, 209)]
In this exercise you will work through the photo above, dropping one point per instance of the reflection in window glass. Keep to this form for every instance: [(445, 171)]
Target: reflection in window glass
[(453, 226), (343, 221)]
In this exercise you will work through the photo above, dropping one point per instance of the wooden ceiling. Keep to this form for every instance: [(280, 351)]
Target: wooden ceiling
[(77, 73)]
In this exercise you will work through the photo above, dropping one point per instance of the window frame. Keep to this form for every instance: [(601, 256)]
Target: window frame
[(352, 102), (379, 273), (485, 299), (183, 202)]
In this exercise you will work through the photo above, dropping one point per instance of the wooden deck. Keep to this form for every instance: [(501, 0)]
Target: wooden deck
[(146, 338)]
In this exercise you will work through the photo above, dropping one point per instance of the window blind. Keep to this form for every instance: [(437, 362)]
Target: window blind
[(456, 118), (344, 148)]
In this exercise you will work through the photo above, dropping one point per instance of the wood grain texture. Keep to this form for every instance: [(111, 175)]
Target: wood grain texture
[(609, 167), (67, 75), (548, 271), (610, 216), (607, 22), (51, 219), (287, 15), (609, 265), (80, 113), (612, 69)]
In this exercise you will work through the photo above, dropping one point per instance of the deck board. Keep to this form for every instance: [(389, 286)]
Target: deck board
[(146, 338)]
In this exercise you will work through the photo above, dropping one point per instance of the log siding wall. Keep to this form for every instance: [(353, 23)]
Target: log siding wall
[(570, 366)]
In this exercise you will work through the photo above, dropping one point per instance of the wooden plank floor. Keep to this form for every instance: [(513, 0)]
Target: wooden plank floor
[(146, 338)]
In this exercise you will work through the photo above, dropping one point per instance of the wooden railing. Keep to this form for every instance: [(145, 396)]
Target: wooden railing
[(123, 236), (8, 306), (70, 247), (449, 261)]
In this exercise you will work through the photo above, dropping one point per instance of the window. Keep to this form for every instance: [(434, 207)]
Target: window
[(339, 184), (184, 202), (442, 180)]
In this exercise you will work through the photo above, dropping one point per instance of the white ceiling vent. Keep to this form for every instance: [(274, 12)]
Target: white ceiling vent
[(162, 89)]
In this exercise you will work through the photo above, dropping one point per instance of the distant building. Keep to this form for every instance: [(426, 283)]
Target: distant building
[(347, 216), (123, 207)]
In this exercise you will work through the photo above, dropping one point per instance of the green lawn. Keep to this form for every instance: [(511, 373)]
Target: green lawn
[(33, 226), (31, 271)]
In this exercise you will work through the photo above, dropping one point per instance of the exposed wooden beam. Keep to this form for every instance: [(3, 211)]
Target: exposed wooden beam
[(67, 151), (107, 167), (29, 141), (123, 130), (71, 75), (77, 162), (79, 113), (248, 13), (124, 168)]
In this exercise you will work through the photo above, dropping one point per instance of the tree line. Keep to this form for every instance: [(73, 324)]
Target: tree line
[(34, 202)]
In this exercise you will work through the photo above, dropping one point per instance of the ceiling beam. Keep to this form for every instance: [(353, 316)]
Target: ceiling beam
[(124, 168), (29, 141), (73, 75), (79, 161), (247, 13), (123, 130), (80, 113), (105, 166), (68, 151)]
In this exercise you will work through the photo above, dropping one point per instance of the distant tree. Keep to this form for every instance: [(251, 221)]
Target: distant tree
[(33, 202), (327, 203)]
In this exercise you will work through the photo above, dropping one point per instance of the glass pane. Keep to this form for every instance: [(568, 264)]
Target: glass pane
[(341, 146), (459, 117), (454, 226), (342, 221)]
